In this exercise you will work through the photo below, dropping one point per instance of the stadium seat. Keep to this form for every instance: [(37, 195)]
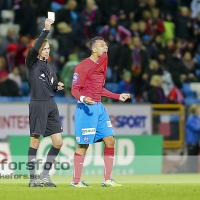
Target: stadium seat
[(186, 88), (196, 88), (5, 99), (191, 94), (191, 100), (59, 94), (7, 16), (24, 88), (4, 28), (111, 87), (174, 118), (65, 100), (14, 99), (197, 72)]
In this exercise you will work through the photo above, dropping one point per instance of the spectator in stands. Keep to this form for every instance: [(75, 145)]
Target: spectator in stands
[(169, 29), (197, 64), (21, 56), (120, 33), (190, 47), (161, 57), (167, 83), (134, 28), (141, 7), (134, 58), (195, 7), (15, 76), (170, 46), (108, 8), (179, 45), (11, 37), (26, 16), (11, 56), (92, 18), (154, 69), (128, 8), (75, 20), (190, 66), (146, 40), (147, 17), (158, 47), (177, 68), (192, 138), (43, 7), (155, 92), (175, 96), (65, 39), (3, 70), (169, 7), (125, 85), (197, 21), (196, 28), (142, 28), (183, 24), (8, 87), (122, 19), (21, 47), (155, 25), (152, 4), (114, 53), (67, 73)]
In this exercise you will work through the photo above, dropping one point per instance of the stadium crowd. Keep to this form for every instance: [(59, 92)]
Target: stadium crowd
[(153, 44)]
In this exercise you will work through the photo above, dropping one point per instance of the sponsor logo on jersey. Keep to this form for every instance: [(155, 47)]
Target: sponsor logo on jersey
[(86, 139), (109, 124), (75, 78), (88, 131)]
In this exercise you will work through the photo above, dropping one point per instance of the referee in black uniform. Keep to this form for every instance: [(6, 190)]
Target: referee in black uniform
[(43, 112)]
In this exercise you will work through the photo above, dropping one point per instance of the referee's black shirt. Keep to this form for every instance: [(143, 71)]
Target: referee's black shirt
[(40, 74)]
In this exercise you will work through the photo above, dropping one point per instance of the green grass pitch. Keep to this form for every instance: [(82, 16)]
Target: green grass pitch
[(135, 187)]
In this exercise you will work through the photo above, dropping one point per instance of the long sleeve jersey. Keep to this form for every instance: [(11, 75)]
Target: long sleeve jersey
[(89, 78), (41, 75)]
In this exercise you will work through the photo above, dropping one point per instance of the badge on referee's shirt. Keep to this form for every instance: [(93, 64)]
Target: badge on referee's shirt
[(52, 80)]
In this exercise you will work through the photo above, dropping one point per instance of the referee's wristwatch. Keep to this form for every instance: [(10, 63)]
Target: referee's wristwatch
[(44, 29)]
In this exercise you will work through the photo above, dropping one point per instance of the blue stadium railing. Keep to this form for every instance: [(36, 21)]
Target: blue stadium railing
[(27, 99)]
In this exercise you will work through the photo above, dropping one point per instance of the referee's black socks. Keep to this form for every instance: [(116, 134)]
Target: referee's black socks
[(31, 162), (51, 156)]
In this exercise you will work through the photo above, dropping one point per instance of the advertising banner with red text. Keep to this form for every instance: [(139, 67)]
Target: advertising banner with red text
[(14, 119)]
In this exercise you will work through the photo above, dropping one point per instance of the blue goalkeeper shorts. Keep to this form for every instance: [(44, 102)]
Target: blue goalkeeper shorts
[(91, 123)]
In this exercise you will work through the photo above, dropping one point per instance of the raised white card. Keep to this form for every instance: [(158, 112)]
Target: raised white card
[(51, 15)]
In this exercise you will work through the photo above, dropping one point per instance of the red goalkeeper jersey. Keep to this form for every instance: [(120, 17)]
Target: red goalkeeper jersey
[(89, 78)]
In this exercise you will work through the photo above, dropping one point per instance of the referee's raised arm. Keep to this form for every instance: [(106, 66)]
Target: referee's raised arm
[(34, 51)]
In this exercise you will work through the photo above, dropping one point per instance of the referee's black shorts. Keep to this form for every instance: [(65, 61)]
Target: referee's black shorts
[(44, 118)]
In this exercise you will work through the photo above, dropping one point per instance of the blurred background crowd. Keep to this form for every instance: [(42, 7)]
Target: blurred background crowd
[(154, 50)]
